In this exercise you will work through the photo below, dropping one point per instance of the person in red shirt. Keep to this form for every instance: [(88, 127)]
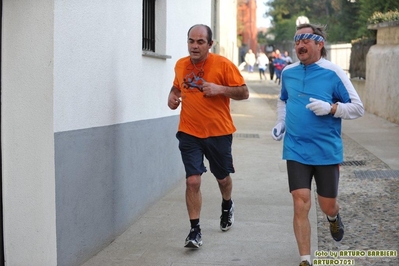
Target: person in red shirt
[(203, 85)]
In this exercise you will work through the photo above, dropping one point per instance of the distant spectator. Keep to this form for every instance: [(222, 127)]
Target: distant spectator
[(279, 63), (272, 56), (250, 59), (287, 58), (262, 64)]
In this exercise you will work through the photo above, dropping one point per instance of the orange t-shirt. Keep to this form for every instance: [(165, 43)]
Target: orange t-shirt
[(202, 116)]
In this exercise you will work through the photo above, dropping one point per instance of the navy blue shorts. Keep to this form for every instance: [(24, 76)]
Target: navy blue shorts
[(216, 149), (326, 177)]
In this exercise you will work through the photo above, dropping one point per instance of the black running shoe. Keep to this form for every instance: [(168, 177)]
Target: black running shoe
[(227, 218), (193, 239), (336, 228), (305, 263)]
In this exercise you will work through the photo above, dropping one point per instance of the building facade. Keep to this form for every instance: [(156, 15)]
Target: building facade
[(246, 25), (87, 139)]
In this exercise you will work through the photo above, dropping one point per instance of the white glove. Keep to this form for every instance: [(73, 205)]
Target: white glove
[(319, 107), (278, 131)]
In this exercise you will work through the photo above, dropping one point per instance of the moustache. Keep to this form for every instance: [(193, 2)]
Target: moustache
[(302, 50)]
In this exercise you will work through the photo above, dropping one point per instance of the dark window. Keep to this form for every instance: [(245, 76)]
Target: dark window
[(149, 25)]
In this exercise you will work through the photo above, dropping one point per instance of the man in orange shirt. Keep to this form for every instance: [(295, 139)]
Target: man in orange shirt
[(204, 84)]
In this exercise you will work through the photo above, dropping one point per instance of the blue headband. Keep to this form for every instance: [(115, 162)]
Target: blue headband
[(308, 36)]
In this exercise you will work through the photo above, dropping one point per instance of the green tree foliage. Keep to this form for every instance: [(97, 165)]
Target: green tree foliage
[(342, 25), (345, 20), (368, 7)]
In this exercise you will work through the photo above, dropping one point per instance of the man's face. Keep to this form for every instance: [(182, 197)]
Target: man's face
[(307, 50), (198, 45)]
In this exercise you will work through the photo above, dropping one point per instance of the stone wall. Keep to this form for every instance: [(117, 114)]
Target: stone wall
[(359, 50), (380, 91)]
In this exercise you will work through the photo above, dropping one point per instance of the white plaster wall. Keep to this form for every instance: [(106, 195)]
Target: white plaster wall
[(183, 14), (382, 79), (100, 75), (227, 29), (70, 65), (27, 133)]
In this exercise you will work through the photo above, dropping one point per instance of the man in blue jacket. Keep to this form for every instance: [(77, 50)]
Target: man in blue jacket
[(315, 96)]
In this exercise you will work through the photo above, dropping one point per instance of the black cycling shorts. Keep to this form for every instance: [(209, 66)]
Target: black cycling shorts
[(326, 177)]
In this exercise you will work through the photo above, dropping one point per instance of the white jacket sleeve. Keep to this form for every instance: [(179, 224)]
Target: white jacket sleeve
[(281, 111), (351, 110)]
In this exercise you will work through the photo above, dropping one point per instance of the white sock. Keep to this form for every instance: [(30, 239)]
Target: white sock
[(306, 257), (332, 219)]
